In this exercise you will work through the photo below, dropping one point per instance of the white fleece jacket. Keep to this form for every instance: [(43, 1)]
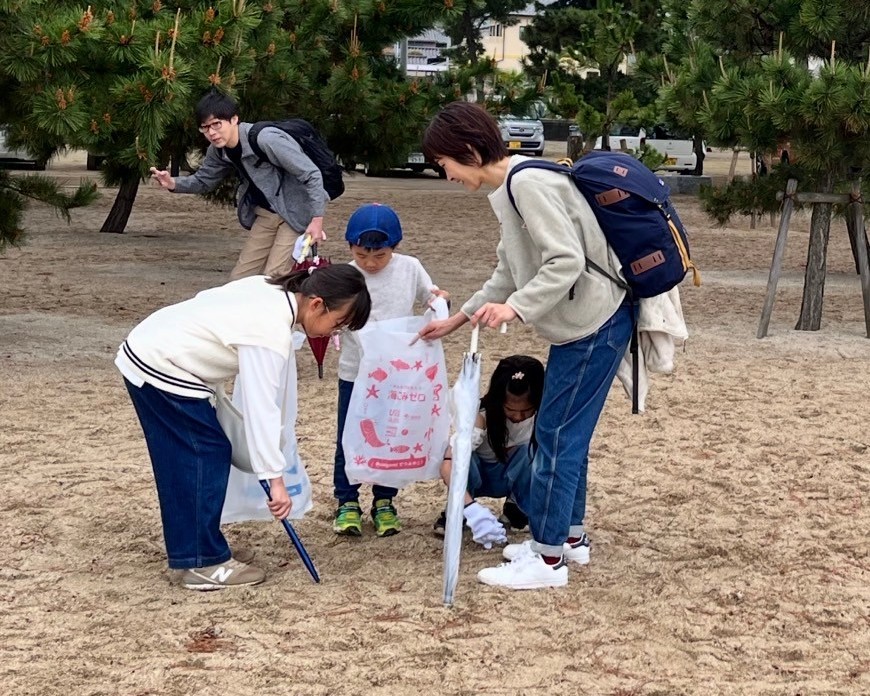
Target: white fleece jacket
[(541, 271)]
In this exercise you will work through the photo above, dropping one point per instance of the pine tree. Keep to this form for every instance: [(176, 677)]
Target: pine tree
[(766, 93), (464, 26), (121, 78), (16, 192), (571, 36)]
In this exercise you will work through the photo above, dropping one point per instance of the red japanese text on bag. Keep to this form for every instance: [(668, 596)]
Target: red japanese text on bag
[(398, 420)]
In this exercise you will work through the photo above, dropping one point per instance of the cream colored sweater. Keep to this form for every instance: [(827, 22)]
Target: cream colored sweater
[(541, 271)]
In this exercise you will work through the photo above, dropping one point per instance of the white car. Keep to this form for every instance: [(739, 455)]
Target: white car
[(415, 161), (632, 136), (11, 158), (678, 149), (523, 136)]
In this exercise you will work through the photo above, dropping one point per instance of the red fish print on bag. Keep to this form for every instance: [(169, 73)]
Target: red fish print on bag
[(380, 374), (370, 435), (431, 373), (400, 364)]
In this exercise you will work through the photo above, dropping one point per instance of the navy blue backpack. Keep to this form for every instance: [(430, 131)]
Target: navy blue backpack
[(312, 144), (640, 224), (631, 205)]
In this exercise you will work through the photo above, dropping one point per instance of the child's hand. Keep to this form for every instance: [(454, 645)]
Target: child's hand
[(438, 292), (486, 530), (280, 505)]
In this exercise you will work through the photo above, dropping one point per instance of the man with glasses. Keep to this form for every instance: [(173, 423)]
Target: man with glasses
[(278, 199)]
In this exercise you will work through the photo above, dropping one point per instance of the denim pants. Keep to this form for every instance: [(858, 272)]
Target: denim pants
[(190, 456), (577, 380), (345, 491), (488, 479)]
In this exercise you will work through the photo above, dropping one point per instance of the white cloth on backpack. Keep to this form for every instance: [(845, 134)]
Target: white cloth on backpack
[(660, 325)]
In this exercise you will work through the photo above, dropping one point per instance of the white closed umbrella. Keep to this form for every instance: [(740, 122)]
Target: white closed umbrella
[(464, 405)]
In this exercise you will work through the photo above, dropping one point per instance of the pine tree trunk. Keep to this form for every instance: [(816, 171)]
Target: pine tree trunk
[(814, 279), (175, 161), (472, 37), (116, 221)]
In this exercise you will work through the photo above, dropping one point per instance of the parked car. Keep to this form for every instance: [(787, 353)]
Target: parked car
[(677, 148), (522, 135), (415, 161), (13, 158), (94, 162), (634, 137)]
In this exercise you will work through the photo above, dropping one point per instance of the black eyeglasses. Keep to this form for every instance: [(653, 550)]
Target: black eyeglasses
[(214, 125)]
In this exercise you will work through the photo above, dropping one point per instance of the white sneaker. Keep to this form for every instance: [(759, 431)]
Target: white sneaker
[(577, 552), (527, 571)]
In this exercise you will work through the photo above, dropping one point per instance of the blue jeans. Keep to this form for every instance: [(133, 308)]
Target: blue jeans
[(345, 491), (190, 456), (577, 380), (496, 480)]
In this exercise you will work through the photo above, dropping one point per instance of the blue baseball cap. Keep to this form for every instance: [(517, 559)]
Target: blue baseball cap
[(374, 217)]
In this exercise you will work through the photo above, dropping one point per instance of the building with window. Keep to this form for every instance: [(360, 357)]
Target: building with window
[(503, 43), (425, 57)]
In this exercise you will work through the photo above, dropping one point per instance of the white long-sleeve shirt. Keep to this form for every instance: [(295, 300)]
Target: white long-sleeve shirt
[(259, 393)]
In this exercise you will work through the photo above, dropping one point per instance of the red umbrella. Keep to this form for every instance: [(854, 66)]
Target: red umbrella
[(310, 259)]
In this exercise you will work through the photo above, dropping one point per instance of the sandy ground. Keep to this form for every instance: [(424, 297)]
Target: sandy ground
[(729, 523)]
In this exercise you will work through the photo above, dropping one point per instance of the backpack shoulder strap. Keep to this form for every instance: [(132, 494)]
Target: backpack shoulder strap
[(560, 169), (253, 134), (532, 164)]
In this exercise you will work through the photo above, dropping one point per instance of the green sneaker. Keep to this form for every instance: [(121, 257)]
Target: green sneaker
[(348, 519), (385, 518)]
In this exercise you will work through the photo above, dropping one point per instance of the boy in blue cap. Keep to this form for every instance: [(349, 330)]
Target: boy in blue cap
[(395, 283)]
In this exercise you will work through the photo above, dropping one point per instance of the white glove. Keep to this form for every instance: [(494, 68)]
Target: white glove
[(486, 530)]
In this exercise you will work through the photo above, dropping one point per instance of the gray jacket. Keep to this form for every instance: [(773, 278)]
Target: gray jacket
[(290, 181)]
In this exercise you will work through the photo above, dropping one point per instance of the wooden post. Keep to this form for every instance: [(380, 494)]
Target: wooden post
[(733, 169), (753, 167), (855, 236), (810, 318), (575, 147), (778, 252), (858, 236)]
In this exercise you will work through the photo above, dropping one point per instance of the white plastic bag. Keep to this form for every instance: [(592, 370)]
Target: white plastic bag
[(245, 498), (398, 421)]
